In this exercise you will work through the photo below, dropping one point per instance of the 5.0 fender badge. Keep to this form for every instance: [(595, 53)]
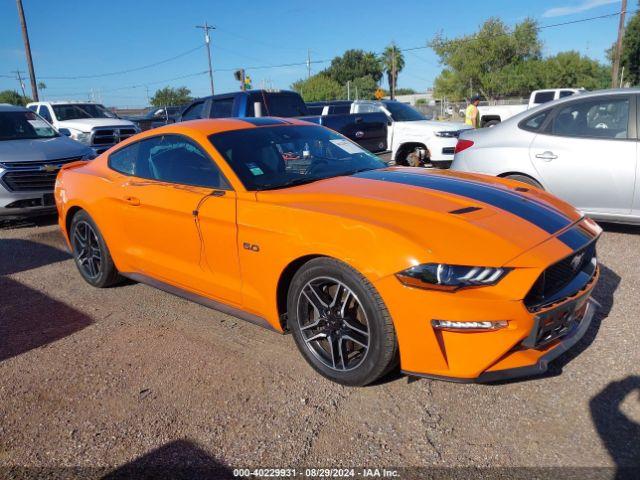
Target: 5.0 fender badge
[(251, 246)]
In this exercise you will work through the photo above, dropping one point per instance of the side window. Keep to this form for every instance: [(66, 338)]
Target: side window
[(43, 111), (176, 159), (33, 108), (599, 118), (543, 97), (193, 112), (124, 160), (222, 108), (534, 123), (565, 93)]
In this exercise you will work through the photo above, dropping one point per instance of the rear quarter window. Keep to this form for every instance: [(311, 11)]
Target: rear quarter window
[(535, 122)]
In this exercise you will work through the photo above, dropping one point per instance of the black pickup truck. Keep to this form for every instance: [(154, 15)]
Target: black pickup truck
[(369, 130)]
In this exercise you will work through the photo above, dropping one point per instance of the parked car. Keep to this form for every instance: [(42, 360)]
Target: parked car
[(367, 130), (411, 134), (86, 122), (156, 117), (491, 115), (31, 153), (582, 149), (294, 227)]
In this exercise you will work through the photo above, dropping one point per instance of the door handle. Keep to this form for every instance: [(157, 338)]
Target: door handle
[(132, 201), (547, 156)]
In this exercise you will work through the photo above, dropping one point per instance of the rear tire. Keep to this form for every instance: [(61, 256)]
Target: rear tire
[(525, 179), (340, 323), (90, 252)]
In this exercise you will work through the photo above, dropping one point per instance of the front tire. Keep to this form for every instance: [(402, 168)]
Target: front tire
[(340, 323), (90, 252)]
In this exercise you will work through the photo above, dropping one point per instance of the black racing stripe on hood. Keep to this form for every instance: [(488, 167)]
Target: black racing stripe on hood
[(541, 215), (576, 237)]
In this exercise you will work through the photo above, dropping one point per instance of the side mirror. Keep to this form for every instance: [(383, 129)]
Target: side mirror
[(65, 131)]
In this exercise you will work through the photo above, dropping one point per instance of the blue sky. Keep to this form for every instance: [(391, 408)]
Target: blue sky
[(87, 37)]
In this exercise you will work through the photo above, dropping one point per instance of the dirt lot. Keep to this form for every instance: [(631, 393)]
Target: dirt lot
[(131, 376)]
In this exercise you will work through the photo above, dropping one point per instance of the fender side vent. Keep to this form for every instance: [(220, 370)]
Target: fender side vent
[(462, 211), (521, 189)]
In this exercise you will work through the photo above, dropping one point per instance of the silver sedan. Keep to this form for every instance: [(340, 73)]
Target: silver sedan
[(582, 149)]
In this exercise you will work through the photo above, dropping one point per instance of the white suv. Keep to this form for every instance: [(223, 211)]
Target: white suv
[(87, 122)]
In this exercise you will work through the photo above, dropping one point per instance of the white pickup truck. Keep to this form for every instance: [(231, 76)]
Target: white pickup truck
[(491, 115), (86, 122), (411, 137)]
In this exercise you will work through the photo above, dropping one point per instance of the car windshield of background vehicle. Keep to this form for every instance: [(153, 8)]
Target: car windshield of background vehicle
[(81, 110), (23, 126), (275, 157), (401, 112)]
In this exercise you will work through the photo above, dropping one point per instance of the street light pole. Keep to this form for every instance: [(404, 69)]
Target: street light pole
[(206, 27), (27, 48), (616, 61)]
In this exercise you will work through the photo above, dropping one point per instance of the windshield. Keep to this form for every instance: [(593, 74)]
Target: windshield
[(24, 125), (401, 112), (274, 157), (81, 110)]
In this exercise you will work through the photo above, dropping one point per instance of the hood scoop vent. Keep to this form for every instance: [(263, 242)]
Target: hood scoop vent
[(462, 211)]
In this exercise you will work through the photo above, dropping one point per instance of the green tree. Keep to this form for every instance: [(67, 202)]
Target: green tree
[(392, 55), (570, 69), (13, 97), (169, 96), (318, 87), (354, 64), (476, 62), (364, 88), (630, 57)]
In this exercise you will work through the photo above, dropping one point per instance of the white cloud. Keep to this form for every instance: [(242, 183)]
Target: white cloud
[(582, 7)]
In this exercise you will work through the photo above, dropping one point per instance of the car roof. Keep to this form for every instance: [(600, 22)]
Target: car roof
[(66, 102), (210, 126), (6, 107)]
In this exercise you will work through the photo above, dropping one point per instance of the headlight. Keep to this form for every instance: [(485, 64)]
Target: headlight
[(439, 276), (448, 134), (82, 137), (89, 156)]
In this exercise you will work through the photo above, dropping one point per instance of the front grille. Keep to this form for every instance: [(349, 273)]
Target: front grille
[(559, 275), (32, 176), (111, 136)]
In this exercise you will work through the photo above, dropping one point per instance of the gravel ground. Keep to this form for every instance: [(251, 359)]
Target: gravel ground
[(131, 376)]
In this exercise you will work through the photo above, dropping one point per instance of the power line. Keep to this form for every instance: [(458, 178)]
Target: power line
[(122, 72)]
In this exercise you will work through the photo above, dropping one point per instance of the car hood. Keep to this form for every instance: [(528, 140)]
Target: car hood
[(435, 126), (41, 149), (459, 218), (87, 124)]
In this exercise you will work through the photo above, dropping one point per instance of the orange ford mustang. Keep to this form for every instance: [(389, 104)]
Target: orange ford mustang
[(293, 227)]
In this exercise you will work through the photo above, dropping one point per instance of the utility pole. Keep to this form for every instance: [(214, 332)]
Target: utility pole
[(393, 73), (27, 48), (206, 27), (19, 78), (618, 53), (308, 63)]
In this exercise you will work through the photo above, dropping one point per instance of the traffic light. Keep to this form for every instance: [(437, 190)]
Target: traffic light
[(239, 74)]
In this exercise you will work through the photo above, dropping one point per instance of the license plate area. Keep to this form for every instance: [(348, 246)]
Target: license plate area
[(556, 323)]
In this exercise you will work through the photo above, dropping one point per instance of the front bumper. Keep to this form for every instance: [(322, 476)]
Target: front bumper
[(533, 335), (441, 150), (18, 204), (540, 365)]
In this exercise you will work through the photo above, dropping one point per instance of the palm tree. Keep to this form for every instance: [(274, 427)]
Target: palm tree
[(392, 55)]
